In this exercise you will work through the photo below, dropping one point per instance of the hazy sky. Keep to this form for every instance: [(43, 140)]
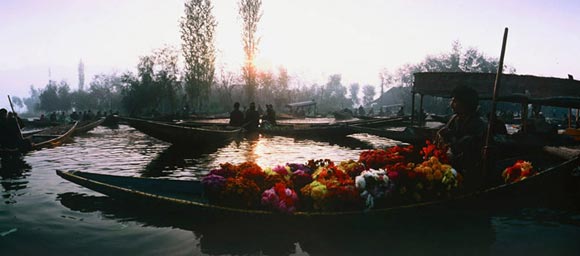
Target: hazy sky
[(311, 38)]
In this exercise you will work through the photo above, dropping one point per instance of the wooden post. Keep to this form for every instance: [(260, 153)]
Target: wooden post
[(524, 118), (412, 107), (569, 117), (496, 88), (420, 110), (15, 118)]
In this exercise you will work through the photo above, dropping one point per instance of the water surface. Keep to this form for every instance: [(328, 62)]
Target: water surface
[(42, 214)]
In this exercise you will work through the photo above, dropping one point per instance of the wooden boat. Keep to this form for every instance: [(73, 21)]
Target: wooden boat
[(86, 126), (342, 115), (50, 137), (182, 135), (332, 130), (110, 121), (30, 132), (53, 136), (307, 130), (522, 89), (188, 195), (410, 134)]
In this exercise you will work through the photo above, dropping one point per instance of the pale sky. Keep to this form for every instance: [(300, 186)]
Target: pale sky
[(311, 38)]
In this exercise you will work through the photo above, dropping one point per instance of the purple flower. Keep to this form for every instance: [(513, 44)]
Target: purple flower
[(281, 170), (213, 182), (297, 167)]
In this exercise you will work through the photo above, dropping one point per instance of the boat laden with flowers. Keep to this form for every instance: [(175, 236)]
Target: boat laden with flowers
[(380, 181), (183, 135)]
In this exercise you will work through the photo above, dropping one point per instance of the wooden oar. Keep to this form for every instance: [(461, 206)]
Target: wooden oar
[(496, 87), (15, 118)]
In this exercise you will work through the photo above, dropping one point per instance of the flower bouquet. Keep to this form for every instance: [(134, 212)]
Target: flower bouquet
[(372, 185), (519, 171), (280, 198)]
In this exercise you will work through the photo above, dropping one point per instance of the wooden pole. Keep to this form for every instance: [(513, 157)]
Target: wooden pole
[(569, 117), (421, 110), (15, 118), (412, 107), (496, 87)]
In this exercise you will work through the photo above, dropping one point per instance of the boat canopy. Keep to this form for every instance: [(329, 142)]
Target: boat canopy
[(440, 84), (301, 104)]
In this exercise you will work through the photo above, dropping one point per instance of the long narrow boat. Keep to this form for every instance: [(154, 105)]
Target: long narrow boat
[(189, 195), (182, 135), (86, 126), (332, 130), (53, 136), (50, 137), (308, 130), (410, 134)]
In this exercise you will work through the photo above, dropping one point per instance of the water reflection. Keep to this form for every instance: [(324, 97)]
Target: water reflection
[(13, 173), (179, 159), (433, 231)]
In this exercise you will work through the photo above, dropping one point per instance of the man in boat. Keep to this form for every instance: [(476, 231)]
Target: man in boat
[(252, 118), (270, 116), (10, 136), (464, 134), (236, 116), (498, 125), (401, 111), (361, 111)]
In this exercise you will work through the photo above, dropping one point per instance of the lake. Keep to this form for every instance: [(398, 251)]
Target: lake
[(43, 214)]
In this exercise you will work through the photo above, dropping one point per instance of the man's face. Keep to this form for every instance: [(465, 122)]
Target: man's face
[(457, 106)]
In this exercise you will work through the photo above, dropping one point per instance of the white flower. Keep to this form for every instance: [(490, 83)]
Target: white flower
[(360, 182)]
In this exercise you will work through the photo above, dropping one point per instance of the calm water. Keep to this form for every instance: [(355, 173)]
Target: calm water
[(42, 214)]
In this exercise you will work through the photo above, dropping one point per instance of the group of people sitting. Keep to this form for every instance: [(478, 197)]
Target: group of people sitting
[(250, 120)]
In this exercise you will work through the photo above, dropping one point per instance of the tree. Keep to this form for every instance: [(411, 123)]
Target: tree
[(55, 97), (386, 79), (197, 36), (368, 94), (249, 11), (104, 90), (64, 96), (81, 75), (17, 101), (32, 103), (166, 72), (354, 89), (333, 96)]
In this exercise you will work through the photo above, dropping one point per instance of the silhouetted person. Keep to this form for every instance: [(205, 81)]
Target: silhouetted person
[(236, 116), (361, 111), (401, 112), (252, 118), (53, 117), (10, 136), (464, 135), (74, 116), (270, 116), (498, 125)]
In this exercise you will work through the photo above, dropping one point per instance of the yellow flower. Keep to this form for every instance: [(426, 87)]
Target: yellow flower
[(526, 166), (437, 175), (269, 171)]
